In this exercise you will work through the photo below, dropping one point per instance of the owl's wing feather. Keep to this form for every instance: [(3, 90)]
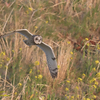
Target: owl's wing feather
[(23, 32), (7, 34), (52, 64)]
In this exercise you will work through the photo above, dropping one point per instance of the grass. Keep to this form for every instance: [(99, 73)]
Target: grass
[(64, 25)]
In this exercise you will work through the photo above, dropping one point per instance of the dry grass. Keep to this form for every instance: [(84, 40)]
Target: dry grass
[(29, 55)]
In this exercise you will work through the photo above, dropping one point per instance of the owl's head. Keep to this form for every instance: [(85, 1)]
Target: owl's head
[(37, 39)]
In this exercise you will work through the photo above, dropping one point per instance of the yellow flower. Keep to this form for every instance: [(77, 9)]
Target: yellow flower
[(20, 84), (84, 98), (67, 81), (80, 79), (58, 66), (30, 9), (12, 50), (95, 86), (71, 58), (77, 87), (36, 27), (78, 96), (98, 74), (88, 44), (92, 80), (87, 99), (36, 63), (68, 42), (98, 48), (94, 69), (20, 49), (86, 39), (30, 71), (15, 93), (5, 95), (94, 96), (71, 52), (46, 22), (65, 95), (40, 76), (66, 89), (3, 53), (31, 96), (36, 77), (97, 61), (83, 75), (72, 97), (96, 83)]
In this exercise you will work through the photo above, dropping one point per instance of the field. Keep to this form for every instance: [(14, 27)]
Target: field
[(71, 28)]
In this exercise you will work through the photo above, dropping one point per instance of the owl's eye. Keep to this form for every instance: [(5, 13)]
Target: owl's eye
[(36, 39)]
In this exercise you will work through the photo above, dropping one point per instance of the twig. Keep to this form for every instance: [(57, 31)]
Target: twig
[(55, 43), (1, 9), (85, 45), (98, 66), (6, 74), (12, 3), (6, 81), (33, 14), (23, 90), (7, 19), (58, 4), (13, 89), (42, 85)]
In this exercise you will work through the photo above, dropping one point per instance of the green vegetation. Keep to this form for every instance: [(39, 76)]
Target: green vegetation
[(72, 29)]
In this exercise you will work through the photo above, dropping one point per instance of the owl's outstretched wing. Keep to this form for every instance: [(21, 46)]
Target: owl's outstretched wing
[(51, 60), (2, 36), (23, 32)]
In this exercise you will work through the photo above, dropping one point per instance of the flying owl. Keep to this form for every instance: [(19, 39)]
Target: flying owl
[(37, 40)]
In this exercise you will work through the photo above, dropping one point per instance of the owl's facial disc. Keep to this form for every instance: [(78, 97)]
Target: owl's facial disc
[(37, 39)]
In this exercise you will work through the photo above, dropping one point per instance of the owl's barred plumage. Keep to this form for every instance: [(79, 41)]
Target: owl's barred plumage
[(37, 40)]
